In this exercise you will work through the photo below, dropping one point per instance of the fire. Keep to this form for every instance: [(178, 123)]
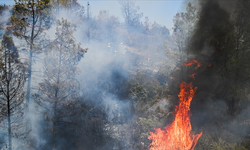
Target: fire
[(189, 63), (178, 135), (209, 65), (192, 75)]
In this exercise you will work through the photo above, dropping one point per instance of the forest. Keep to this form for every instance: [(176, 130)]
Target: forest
[(71, 80)]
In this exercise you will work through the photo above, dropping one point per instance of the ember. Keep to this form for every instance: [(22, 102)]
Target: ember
[(192, 75), (189, 63)]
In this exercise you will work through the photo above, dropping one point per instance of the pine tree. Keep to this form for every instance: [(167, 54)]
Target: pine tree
[(59, 88), (30, 18), (13, 75)]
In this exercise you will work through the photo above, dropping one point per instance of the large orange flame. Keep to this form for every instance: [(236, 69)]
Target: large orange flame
[(178, 135)]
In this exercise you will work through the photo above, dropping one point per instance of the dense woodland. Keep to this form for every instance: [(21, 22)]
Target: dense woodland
[(72, 80)]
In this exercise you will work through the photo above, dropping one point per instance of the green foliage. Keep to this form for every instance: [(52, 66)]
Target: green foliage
[(30, 18), (138, 92), (65, 3), (184, 24), (145, 125)]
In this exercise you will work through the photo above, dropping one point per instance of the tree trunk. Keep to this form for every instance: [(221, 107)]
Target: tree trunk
[(9, 126), (233, 106), (30, 65), (29, 77), (31, 54), (55, 105), (8, 78), (54, 134)]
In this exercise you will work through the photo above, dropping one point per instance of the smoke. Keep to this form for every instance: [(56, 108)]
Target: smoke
[(216, 109), (116, 53), (5, 16)]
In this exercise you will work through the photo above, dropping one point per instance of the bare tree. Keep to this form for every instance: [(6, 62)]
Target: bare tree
[(130, 12), (12, 98)]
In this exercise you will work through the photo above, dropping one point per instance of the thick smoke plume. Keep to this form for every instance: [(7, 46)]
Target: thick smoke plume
[(220, 107)]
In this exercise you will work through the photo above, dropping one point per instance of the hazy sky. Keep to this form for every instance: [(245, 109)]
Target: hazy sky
[(161, 11)]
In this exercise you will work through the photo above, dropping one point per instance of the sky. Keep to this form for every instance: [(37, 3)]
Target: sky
[(160, 11)]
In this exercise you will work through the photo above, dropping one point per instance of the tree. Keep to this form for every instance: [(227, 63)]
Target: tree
[(70, 5), (238, 57), (13, 75), (59, 89), (65, 3), (106, 27), (146, 28), (130, 12), (30, 19), (5, 13), (184, 24)]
